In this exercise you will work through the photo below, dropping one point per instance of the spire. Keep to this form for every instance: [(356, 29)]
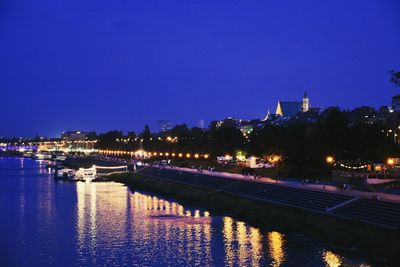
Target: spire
[(306, 103), (267, 117)]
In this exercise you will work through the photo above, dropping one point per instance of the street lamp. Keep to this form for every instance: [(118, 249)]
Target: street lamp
[(330, 160), (391, 162)]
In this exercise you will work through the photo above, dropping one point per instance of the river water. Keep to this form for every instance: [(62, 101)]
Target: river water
[(50, 223)]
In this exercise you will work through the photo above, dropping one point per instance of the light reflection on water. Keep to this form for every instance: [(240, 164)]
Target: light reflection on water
[(276, 248), (89, 224), (331, 259)]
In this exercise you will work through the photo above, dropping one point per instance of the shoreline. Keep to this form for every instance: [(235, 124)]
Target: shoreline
[(339, 232)]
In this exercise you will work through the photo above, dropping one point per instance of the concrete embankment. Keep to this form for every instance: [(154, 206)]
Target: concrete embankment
[(351, 206), (374, 240)]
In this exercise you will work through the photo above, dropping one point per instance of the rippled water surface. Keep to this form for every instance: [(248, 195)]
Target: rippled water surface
[(50, 223)]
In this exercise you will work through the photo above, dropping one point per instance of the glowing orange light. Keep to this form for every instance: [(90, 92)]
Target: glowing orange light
[(330, 159), (196, 156), (276, 158), (390, 161), (180, 155), (188, 155)]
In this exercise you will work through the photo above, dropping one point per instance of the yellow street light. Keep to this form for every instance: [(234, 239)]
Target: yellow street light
[(390, 161), (330, 160), (276, 158)]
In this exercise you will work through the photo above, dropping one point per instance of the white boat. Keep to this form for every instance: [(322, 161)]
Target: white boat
[(42, 156), (27, 154), (86, 174), (60, 158), (69, 174)]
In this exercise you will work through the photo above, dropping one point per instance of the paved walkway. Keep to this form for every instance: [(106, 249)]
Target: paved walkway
[(317, 187), (296, 184)]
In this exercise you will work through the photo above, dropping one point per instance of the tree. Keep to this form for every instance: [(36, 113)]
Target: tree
[(395, 77), (92, 135), (109, 140), (146, 135), (132, 134), (226, 140)]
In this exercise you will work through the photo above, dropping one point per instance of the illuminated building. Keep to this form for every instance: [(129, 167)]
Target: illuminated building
[(74, 136), (246, 129), (165, 125), (288, 109), (292, 108), (306, 103), (200, 124)]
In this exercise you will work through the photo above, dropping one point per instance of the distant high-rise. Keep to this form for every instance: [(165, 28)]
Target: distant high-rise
[(306, 103), (200, 124), (165, 125)]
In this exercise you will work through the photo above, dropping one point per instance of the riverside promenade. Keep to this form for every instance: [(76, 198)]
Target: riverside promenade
[(351, 204), (296, 184)]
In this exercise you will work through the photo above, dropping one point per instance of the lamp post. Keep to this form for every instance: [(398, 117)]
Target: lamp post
[(390, 162), (330, 160)]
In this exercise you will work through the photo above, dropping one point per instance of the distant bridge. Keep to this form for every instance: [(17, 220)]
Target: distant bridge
[(17, 147), (83, 146)]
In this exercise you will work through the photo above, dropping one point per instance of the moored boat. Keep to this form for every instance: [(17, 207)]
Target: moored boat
[(66, 174)]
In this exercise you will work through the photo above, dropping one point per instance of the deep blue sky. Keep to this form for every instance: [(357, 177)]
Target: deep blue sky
[(104, 65)]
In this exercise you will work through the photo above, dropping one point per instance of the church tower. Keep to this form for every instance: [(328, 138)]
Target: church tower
[(306, 103)]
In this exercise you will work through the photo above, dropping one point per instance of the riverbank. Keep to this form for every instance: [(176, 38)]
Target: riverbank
[(348, 234), (10, 154), (76, 163)]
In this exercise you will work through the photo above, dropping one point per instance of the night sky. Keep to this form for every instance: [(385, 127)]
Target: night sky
[(102, 65)]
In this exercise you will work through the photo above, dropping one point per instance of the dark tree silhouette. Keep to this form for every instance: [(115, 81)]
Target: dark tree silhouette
[(395, 77)]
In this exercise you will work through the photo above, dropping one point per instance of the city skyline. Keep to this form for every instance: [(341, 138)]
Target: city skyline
[(156, 127), (134, 65), (200, 133)]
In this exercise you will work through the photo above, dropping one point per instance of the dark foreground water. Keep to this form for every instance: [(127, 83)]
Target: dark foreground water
[(48, 223)]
